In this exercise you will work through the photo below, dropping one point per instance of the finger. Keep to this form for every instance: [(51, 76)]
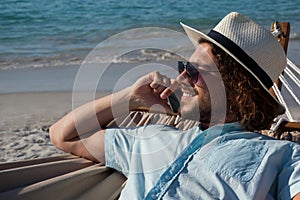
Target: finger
[(156, 79), (160, 82), (181, 77), (170, 89), (159, 89), (165, 82), (159, 79)]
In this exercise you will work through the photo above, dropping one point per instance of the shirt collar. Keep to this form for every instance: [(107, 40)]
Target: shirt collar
[(218, 130)]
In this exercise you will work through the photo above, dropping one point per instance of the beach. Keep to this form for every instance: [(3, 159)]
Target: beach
[(25, 120), (57, 56)]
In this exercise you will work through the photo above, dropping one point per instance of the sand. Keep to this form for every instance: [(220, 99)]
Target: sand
[(25, 119)]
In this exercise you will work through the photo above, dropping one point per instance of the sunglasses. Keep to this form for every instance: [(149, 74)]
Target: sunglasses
[(191, 70)]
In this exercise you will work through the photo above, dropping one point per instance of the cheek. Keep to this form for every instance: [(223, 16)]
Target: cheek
[(190, 104), (217, 93), (197, 107), (214, 90), (204, 100)]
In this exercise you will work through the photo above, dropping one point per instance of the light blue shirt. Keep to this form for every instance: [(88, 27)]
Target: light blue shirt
[(222, 162)]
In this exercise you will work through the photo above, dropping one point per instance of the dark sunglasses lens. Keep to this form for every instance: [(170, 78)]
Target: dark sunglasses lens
[(180, 67), (192, 72)]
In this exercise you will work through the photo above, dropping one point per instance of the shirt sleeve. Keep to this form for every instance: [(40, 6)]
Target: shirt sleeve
[(118, 144), (144, 149), (289, 178)]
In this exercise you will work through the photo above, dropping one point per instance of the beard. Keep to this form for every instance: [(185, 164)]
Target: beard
[(193, 111)]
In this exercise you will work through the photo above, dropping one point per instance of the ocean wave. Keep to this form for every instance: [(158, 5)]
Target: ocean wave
[(143, 55), (295, 36), (25, 62)]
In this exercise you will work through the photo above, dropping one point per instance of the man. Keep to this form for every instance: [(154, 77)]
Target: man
[(223, 158)]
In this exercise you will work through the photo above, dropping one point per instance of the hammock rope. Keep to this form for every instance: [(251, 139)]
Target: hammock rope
[(292, 65), (282, 101), (288, 73), (289, 88)]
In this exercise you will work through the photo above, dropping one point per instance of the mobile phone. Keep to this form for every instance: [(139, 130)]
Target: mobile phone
[(174, 103)]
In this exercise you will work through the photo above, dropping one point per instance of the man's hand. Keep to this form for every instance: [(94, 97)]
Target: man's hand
[(151, 92)]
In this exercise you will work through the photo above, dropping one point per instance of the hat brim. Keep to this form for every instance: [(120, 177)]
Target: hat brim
[(194, 36)]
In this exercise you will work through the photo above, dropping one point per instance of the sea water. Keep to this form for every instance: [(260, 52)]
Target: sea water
[(41, 33)]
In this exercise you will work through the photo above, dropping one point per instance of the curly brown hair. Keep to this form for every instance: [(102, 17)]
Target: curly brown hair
[(246, 98)]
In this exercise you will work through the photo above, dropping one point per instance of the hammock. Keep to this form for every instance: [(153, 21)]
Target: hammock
[(70, 177), (289, 77), (288, 71), (287, 127)]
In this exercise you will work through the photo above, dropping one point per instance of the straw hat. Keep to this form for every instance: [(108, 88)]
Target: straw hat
[(254, 47)]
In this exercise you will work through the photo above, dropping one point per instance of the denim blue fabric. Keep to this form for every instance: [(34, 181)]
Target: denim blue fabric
[(222, 162)]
